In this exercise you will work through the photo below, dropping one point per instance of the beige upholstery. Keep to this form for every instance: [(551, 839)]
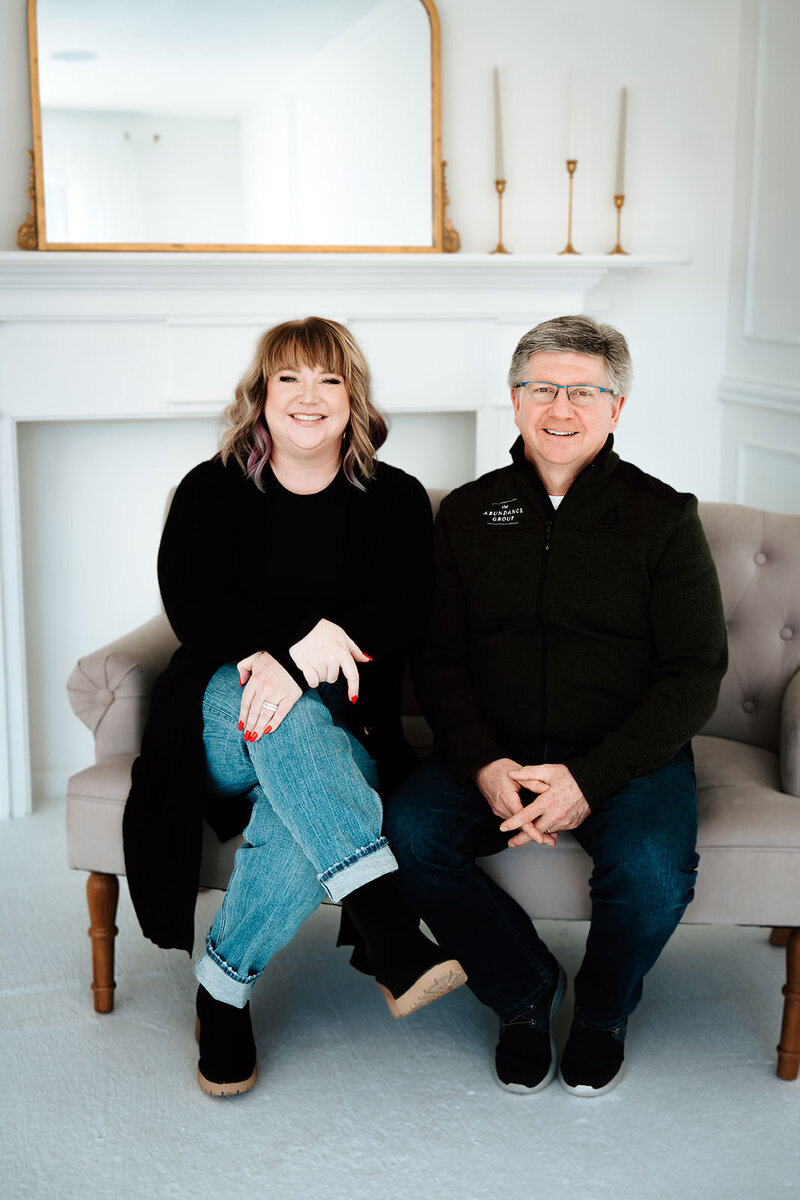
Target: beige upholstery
[(747, 759)]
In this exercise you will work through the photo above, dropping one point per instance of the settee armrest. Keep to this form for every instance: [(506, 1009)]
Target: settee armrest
[(790, 737), (109, 689)]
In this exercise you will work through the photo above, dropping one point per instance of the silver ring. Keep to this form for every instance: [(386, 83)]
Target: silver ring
[(270, 706)]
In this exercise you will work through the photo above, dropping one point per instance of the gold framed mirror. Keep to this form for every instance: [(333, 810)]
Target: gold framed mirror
[(243, 125)]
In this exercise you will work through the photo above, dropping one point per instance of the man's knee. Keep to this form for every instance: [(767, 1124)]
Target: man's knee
[(420, 830), (654, 876)]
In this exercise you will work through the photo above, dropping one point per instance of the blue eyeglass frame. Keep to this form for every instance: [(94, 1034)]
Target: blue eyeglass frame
[(566, 386)]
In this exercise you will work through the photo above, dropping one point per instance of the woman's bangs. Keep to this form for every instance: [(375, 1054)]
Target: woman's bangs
[(306, 347)]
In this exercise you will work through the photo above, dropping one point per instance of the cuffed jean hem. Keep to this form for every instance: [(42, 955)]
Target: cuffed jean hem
[(366, 864), (221, 981)]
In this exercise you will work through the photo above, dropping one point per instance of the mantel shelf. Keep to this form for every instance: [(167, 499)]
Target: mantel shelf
[(150, 271)]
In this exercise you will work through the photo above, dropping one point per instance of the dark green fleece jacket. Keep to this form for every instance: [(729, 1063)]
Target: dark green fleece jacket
[(599, 623)]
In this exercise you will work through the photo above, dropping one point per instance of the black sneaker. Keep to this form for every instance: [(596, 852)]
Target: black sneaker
[(593, 1059), (525, 1057), (227, 1051)]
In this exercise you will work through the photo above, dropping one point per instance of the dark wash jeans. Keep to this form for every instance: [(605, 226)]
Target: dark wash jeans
[(642, 841)]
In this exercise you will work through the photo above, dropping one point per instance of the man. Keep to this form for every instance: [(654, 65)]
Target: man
[(577, 643)]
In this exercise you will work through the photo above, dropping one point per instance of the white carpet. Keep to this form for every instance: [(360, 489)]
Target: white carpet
[(351, 1104)]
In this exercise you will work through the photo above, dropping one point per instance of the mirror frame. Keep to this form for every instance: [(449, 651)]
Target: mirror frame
[(38, 240)]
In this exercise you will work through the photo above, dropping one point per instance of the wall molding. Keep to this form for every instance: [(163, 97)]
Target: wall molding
[(751, 329), (744, 448), (760, 393)]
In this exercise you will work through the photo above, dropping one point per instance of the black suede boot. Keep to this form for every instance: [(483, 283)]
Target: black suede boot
[(227, 1051), (410, 970)]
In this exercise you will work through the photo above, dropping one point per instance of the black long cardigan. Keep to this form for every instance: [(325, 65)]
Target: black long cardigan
[(222, 594)]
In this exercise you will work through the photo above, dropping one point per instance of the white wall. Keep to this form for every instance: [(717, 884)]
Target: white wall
[(761, 387), (682, 61)]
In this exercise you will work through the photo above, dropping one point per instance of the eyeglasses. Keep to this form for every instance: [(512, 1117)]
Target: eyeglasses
[(579, 394)]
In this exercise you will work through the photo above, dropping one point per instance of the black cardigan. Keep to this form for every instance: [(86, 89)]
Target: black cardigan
[(222, 594)]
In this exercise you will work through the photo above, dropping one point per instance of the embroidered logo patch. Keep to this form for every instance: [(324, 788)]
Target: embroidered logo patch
[(612, 517), (503, 512)]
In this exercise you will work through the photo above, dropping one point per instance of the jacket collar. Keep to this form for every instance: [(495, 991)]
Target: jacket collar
[(601, 466)]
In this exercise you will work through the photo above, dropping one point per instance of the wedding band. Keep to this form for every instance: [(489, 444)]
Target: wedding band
[(270, 706)]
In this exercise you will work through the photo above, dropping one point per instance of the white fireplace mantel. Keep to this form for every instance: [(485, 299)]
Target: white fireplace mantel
[(107, 336), (73, 271)]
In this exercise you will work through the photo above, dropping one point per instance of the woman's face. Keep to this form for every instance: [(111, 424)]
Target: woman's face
[(307, 411)]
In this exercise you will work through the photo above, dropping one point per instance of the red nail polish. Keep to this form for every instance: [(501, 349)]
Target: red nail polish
[(241, 725), (248, 737), (241, 682), (368, 657), (353, 699), (268, 730)]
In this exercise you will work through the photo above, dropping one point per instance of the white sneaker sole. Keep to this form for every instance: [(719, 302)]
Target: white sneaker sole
[(589, 1093)]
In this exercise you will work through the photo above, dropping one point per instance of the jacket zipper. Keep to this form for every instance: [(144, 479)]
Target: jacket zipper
[(548, 531)]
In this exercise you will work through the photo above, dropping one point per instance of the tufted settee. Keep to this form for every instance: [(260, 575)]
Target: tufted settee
[(747, 759)]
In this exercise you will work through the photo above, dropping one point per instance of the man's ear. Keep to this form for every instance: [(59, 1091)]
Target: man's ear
[(616, 409)]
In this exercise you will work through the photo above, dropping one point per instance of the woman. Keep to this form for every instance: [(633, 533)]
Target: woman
[(284, 560)]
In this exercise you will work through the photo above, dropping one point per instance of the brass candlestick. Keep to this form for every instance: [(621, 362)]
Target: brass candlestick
[(500, 184), (572, 164), (618, 201)]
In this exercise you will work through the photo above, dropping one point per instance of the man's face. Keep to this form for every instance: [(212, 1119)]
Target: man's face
[(560, 440)]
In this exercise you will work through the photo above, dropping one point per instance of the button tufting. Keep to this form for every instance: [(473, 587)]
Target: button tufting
[(106, 697), (760, 559), (787, 634), (749, 706)]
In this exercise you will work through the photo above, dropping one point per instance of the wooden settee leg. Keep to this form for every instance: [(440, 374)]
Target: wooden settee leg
[(102, 892), (789, 1046), (780, 935)]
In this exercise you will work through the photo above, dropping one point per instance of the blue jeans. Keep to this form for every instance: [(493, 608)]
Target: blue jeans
[(314, 830), (642, 842)]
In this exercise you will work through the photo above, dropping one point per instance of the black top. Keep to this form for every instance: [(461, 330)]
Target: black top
[(242, 570), (598, 623)]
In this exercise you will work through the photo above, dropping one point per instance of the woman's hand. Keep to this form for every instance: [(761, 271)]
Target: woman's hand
[(325, 652), (264, 681)]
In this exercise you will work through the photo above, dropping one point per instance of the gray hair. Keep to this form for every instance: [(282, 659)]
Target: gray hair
[(581, 335)]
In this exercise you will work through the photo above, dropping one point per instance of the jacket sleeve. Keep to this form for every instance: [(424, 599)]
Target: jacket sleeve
[(440, 670), (690, 659)]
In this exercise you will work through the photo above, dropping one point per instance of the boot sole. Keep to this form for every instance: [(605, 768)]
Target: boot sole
[(222, 1089), (437, 981)]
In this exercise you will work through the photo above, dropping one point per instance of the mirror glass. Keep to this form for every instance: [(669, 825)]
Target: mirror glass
[(211, 124)]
